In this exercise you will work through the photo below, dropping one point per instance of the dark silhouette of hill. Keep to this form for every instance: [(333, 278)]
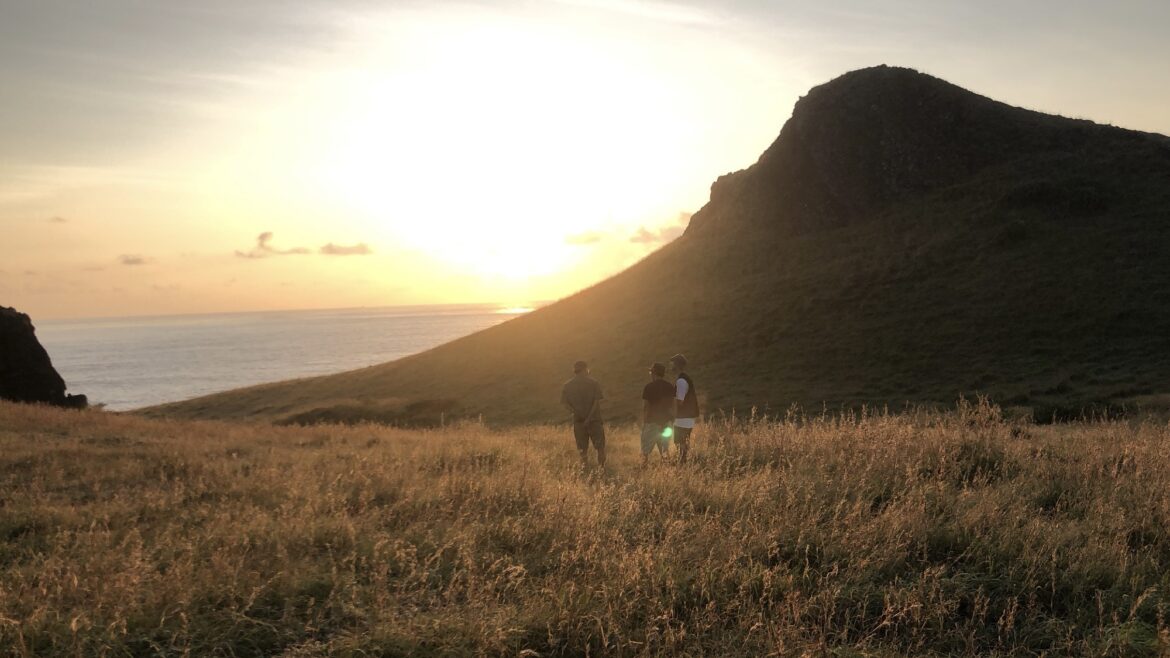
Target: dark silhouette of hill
[(26, 371), (902, 240)]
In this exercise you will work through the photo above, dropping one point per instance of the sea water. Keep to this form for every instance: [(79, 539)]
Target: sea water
[(126, 363)]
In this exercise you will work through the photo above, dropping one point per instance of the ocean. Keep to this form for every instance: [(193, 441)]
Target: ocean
[(126, 363)]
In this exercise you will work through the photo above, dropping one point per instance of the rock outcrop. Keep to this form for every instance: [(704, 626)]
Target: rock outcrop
[(26, 372), (867, 140)]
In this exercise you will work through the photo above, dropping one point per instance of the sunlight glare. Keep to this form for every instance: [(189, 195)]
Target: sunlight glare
[(515, 310), (496, 144)]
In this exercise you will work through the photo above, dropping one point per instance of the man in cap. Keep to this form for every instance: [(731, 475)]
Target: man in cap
[(657, 412), (687, 406), (582, 395)]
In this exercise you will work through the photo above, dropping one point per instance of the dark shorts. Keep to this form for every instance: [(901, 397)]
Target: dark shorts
[(655, 435), (586, 432), (681, 434)]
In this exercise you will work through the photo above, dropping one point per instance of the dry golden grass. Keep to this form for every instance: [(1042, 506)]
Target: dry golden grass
[(876, 535)]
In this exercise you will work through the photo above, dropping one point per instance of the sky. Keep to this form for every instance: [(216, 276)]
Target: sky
[(161, 157)]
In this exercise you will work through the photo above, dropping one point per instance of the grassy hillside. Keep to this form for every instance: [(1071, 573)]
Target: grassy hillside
[(913, 535), (902, 240)]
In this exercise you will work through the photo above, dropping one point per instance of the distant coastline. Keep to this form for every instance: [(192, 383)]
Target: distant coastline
[(131, 362), (403, 310)]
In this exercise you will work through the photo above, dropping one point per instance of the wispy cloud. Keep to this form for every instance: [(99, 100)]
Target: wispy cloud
[(586, 238), (644, 236), (264, 249), (662, 234), (134, 259), (658, 10), (57, 219), (33, 183), (360, 249)]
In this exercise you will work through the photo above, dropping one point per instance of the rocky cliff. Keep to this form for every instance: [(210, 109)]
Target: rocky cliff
[(26, 372)]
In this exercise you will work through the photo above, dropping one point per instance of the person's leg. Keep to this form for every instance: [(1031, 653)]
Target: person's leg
[(581, 436), (648, 441), (682, 437), (598, 436)]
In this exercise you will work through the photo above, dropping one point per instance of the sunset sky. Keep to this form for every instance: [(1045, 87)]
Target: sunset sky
[(177, 157)]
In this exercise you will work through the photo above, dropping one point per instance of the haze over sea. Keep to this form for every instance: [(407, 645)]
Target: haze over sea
[(127, 363)]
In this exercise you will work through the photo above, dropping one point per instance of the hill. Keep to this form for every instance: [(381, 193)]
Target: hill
[(902, 240), (928, 535)]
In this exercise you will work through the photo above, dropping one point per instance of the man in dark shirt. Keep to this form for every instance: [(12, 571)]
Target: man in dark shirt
[(657, 413), (582, 395)]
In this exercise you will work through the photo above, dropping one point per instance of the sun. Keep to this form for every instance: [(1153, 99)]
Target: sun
[(494, 146)]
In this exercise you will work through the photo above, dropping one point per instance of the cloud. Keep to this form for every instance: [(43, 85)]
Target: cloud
[(134, 259), (56, 219), (586, 238), (359, 249), (263, 249), (665, 12), (662, 234), (644, 236)]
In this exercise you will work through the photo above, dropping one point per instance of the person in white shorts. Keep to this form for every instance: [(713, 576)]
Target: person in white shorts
[(686, 406)]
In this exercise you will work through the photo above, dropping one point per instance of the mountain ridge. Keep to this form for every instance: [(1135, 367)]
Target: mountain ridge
[(902, 101)]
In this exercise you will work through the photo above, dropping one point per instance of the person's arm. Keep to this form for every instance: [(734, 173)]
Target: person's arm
[(565, 403), (594, 411), (680, 394), (645, 410), (595, 408)]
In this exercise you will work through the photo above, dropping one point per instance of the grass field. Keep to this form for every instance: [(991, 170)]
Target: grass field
[(874, 535)]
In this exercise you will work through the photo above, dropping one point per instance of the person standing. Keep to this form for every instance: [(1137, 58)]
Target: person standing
[(582, 395), (687, 406), (657, 413)]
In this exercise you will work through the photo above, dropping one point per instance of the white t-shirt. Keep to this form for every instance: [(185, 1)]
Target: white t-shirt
[(681, 387)]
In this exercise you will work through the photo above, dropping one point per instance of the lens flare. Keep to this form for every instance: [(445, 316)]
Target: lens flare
[(667, 432)]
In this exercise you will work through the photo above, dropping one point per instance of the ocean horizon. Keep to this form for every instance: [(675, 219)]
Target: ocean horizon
[(127, 363)]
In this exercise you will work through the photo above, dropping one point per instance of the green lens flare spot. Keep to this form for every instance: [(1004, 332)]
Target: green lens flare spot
[(667, 433)]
